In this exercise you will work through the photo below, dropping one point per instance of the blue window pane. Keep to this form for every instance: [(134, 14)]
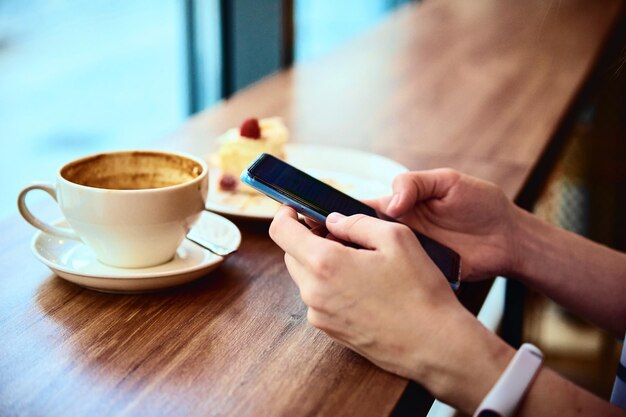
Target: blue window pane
[(78, 77), (322, 25)]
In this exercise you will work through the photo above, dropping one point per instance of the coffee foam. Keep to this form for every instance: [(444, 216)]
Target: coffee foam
[(132, 170)]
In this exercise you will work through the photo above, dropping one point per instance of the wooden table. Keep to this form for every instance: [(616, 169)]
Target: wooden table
[(481, 86)]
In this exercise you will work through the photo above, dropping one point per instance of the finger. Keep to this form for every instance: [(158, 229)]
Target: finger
[(294, 237), (311, 223), (296, 271), (379, 204), (412, 187), (367, 232), (346, 243), (312, 292)]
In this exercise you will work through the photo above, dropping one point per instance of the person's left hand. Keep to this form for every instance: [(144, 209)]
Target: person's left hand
[(389, 302), (382, 300)]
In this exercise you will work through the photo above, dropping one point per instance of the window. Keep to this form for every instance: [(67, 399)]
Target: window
[(78, 77), (321, 25)]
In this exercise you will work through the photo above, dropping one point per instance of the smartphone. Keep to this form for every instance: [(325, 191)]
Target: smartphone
[(314, 199)]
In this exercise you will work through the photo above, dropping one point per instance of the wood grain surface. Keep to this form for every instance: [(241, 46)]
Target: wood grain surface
[(480, 86)]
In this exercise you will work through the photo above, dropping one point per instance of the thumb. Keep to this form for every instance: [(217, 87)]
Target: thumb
[(412, 187), (379, 204), (366, 231)]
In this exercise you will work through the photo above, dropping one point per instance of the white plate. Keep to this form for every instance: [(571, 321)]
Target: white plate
[(359, 174), (75, 262)]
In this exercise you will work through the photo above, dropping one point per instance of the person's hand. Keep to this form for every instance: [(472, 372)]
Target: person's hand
[(469, 215), (388, 301)]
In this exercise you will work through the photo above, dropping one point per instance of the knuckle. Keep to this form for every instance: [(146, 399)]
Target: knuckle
[(312, 298), (399, 233), (450, 173), (404, 177), (315, 319), (287, 259), (273, 230), (324, 264)]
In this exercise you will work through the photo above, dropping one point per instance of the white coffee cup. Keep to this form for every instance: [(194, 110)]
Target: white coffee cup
[(132, 208)]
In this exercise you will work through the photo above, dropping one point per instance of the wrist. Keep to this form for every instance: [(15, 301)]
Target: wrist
[(524, 229), (510, 389), (532, 241), (462, 373)]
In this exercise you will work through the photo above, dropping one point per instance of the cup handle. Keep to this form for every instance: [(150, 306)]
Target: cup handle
[(39, 224)]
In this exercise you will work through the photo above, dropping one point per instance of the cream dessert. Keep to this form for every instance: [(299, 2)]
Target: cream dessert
[(240, 146)]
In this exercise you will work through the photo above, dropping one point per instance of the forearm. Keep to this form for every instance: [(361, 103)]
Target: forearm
[(476, 360), (552, 395), (581, 275)]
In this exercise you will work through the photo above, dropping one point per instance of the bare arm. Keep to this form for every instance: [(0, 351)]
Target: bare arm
[(579, 274), (465, 377)]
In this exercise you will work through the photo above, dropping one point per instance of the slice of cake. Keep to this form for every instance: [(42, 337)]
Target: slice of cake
[(240, 146)]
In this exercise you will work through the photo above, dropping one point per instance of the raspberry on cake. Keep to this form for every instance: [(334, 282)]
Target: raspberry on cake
[(240, 146), (250, 129)]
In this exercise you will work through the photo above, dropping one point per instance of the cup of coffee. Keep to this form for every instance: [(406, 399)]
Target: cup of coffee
[(132, 208)]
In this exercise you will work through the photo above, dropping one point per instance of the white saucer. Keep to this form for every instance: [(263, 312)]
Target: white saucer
[(75, 262)]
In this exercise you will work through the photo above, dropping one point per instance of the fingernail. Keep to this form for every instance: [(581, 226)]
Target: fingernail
[(394, 201), (334, 217)]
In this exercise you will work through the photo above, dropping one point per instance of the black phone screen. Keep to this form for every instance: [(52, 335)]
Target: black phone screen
[(306, 189)]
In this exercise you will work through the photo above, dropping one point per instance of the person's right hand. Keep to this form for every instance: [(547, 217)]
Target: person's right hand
[(469, 215)]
